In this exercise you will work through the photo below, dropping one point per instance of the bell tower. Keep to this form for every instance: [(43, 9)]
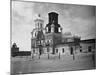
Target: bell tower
[(37, 36), (53, 19), (53, 31), (38, 26), (39, 23)]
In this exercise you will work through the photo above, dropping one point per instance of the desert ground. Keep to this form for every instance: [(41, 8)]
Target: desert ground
[(24, 65)]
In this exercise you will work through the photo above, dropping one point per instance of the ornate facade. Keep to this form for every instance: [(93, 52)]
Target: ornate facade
[(50, 39)]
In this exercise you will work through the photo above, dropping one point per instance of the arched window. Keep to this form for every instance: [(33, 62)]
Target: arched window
[(59, 29), (56, 50), (40, 25), (51, 42), (47, 29), (48, 41), (33, 51), (35, 34), (63, 50)]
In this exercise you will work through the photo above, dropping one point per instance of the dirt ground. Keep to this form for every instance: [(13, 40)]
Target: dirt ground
[(24, 65)]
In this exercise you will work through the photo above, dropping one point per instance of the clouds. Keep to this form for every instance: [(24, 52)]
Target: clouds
[(22, 11), (77, 19), (83, 11)]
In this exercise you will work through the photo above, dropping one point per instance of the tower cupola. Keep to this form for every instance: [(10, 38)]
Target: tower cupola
[(53, 25)]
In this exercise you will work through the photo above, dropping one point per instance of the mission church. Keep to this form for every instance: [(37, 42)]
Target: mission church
[(50, 39)]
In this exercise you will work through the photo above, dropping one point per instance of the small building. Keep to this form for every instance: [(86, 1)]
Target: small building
[(14, 50)]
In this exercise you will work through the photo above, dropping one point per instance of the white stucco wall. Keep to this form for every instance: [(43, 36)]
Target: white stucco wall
[(60, 49)]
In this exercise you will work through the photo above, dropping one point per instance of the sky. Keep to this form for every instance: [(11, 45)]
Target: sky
[(77, 19)]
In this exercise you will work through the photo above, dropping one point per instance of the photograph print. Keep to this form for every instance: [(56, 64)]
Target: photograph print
[(52, 37)]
